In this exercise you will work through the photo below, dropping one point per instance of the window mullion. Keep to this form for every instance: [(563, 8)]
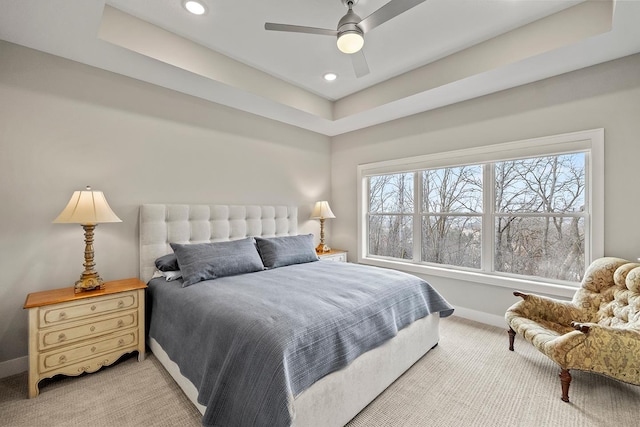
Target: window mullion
[(488, 220), (588, 238), (367, 217), (417, 217)]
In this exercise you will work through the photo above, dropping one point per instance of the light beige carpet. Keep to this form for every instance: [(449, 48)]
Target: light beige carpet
[(470, 379)]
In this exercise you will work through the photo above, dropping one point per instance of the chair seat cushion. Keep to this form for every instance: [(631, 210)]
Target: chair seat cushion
[(539, 332)]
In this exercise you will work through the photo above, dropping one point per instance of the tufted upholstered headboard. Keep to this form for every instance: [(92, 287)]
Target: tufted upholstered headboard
[(162, 224)]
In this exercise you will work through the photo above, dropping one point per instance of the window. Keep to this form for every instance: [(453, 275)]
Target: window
[(523, 210), (391, 215), (540, 216), (451, 215)]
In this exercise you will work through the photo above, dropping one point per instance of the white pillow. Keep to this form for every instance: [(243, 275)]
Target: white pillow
[(168, 275), (172, 275)]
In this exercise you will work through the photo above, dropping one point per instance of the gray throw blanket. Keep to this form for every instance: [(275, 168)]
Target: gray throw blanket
[(251, 343)]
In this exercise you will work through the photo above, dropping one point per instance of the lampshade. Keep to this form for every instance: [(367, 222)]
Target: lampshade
[(87, 207), (322, 211), (350, 41)]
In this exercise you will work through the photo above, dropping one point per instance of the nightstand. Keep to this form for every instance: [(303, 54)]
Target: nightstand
[(73, 333), (334, 255)]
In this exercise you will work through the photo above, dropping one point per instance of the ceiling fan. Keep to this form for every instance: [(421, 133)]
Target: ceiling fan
[(351, 29)]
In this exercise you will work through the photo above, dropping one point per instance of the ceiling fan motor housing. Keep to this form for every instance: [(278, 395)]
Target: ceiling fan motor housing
[(350, 21), (350, 35)]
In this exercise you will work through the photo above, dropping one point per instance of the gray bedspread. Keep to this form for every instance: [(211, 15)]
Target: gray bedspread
[(253, 342)]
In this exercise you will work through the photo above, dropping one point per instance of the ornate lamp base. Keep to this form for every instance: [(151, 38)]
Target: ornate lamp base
[(322, 248), (89, 280), (88, 284)]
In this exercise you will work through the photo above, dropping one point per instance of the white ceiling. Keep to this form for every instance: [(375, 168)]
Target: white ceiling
[(438, 53)]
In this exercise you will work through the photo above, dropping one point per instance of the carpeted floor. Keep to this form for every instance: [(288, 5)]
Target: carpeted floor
[(470, 379)]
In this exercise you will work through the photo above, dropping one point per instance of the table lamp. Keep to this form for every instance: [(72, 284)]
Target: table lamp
[(87, 208), (322, 211)]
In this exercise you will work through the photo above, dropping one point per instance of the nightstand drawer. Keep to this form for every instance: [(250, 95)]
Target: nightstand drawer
[(70, 355), (336, 258), (49, 316), (336, 255), (54, 337)]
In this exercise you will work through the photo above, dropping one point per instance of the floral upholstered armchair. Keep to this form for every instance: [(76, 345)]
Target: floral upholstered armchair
[(598, 331)]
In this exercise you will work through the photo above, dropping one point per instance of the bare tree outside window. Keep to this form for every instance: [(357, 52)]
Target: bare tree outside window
[(451, 216), (537, 216), (539, 228), (390, 215)]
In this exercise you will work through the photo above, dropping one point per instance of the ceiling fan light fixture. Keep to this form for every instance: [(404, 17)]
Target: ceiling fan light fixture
[(195, 7), (350, 41)]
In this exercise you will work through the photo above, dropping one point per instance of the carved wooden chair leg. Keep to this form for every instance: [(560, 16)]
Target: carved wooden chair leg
[(512, 336), (565, 380)]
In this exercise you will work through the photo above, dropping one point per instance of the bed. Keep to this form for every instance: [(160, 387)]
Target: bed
[(313, 391)]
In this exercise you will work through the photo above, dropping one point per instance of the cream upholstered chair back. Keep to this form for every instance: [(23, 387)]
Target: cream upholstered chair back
[(610, 292), (623, 310)]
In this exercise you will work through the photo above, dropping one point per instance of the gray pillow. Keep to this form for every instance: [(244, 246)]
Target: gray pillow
[(206, 261), (167, 262), (280, 251)]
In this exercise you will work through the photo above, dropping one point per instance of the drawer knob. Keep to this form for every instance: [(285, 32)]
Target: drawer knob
[(93, 308), (120, 323), (62, 315), (62, 359), (93, 328), (120, 304), (93, 349), (121, 341), (62, 337)]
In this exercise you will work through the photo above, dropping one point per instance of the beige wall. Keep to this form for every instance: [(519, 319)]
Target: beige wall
[(604, 96), (64, 125)]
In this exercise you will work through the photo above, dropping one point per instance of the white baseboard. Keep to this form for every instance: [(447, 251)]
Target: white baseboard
[(480, 316), (14, 366)]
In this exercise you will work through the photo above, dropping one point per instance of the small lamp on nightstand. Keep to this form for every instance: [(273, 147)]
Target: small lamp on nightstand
[(322, 211), (87, 208)]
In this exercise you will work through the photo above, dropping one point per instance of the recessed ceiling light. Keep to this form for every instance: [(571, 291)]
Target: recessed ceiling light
[(330, 77), (195, 7)]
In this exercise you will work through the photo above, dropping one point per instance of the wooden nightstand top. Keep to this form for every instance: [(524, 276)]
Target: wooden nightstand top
[(332, 252), (55, 296)]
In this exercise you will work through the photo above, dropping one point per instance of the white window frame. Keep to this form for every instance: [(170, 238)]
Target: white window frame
[(590, 141)]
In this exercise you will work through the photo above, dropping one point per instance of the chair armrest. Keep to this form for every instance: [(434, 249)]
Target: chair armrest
[(582, 327), (608, 350), (596, 330), (608, 334), (545, 308)]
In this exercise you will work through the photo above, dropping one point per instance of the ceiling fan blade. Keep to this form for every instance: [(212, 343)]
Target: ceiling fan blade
[(299, 29), (359, 64), (387, 12)]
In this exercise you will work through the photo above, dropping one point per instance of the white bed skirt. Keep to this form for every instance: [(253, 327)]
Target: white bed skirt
[(338, 397)]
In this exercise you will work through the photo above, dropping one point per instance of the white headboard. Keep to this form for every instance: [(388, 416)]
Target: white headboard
[(163, 224)]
